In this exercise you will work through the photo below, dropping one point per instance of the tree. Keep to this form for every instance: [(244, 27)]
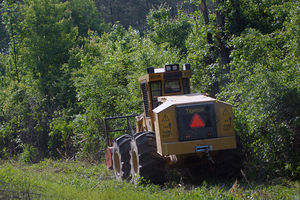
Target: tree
[(3, 32), (86, 17), (265, 91), (49, 37), (12, 18), (254, 68), (47, 33), (162, 28), (132, 12)]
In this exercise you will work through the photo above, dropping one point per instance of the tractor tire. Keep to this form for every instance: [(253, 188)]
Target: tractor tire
[(121, 157), (146, 164)]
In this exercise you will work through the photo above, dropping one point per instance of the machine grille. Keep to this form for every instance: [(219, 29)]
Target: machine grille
[(145, 98), (186, 86)]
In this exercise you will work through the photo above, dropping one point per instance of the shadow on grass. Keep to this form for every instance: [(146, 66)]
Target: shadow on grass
[(187, 181)]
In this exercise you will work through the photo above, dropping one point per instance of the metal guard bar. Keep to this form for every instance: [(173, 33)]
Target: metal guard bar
[(129, 126)]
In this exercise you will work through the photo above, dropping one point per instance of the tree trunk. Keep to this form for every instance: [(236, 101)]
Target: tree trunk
[(224, 51), (204, 11)]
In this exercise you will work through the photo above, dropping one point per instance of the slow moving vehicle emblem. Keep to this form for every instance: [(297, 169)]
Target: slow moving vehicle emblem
[(197, 122)]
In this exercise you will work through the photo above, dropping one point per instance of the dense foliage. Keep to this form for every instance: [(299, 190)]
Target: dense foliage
[(132, 12), (63, 69)]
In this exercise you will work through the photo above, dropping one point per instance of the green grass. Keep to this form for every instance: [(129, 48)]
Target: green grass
[(78, 180)]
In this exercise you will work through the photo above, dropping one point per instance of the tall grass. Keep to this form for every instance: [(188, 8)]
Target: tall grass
[(78, 180)]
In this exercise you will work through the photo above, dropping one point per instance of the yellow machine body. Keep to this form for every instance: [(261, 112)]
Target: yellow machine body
[(171, 114)]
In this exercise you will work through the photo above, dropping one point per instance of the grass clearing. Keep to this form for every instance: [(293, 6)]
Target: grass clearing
[(78, 180)]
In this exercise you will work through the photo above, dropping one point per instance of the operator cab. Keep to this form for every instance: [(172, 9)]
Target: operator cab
[(167, 81)]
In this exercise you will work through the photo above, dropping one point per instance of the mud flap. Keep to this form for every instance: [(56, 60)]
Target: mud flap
[(108, 158)]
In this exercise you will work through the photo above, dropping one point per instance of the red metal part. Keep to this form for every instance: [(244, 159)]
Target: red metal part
[(108, 157)]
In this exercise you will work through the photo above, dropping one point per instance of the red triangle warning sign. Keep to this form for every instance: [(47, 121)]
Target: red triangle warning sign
[(197, 122)]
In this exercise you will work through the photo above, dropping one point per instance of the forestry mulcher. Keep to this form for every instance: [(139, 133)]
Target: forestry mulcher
[(176, 130)]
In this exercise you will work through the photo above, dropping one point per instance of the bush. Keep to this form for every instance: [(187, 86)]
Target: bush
[(29, 155), (265, 93)]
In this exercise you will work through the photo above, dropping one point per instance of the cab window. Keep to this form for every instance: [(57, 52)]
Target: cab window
[(155, 88), (172, 86)]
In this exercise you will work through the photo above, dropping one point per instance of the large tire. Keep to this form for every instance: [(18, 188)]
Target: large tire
[(121, 157), (146, 164)]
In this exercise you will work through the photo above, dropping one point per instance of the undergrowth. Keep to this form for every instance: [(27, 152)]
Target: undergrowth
[(79, 180)]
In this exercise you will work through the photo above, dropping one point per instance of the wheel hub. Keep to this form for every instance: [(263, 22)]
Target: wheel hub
[(135, 162)]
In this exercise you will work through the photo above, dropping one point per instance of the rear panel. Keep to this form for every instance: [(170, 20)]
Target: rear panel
[(182, 128)]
